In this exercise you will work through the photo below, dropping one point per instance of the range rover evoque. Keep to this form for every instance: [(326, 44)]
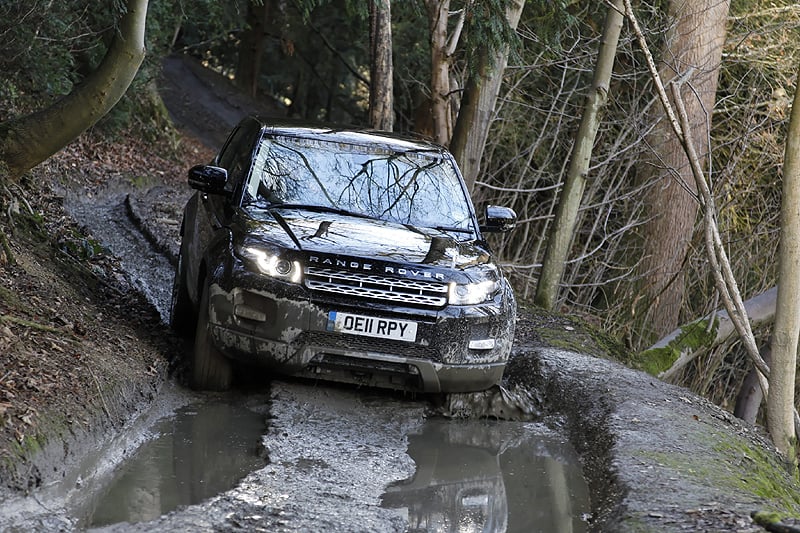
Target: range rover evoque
[(344, 255)]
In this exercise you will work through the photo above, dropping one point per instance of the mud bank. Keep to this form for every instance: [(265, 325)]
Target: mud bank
[(656, 457)]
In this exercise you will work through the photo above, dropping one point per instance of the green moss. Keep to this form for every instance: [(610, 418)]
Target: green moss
[(32, 223), (739, 468), (762, 474), (79, 245), (10, 298), (692, 337), (766, 518), (29, 446), (574, 334)]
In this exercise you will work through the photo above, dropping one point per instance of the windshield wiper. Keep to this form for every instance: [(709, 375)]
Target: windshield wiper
[(318, 208), (453, 229)]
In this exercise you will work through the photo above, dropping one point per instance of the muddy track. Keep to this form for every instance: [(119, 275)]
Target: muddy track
[(637, 437), (655, 457)]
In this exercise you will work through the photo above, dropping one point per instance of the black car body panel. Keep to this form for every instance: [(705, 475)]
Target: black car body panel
[(347, 256)]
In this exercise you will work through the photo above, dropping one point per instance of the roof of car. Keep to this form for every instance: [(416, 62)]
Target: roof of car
[(347, 134)]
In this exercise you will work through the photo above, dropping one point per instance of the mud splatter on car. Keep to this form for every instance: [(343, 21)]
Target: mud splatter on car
[(342, 255)]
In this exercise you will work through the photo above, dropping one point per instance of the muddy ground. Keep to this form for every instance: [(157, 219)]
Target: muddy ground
[(83, 351)]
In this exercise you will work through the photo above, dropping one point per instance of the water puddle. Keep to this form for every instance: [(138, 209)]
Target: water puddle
[(479, 475), (200, 451)]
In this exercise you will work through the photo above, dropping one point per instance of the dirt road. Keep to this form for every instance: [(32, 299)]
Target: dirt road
[(653, 456)]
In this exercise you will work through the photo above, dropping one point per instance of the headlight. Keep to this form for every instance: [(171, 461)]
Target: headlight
[(473, 293), (272, 265)]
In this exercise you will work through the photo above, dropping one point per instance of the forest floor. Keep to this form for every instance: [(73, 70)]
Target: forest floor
[(81, 351)]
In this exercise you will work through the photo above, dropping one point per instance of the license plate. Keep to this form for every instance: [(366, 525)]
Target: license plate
[(370, 326)]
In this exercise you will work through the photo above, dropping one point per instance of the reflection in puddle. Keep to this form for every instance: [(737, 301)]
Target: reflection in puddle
[(200, 451), (484, 476)]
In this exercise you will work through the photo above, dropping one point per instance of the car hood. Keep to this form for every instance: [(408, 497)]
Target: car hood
[(331, 233)]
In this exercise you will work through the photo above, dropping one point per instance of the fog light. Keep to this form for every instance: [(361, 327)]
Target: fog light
[(246, 312), (481, 344)]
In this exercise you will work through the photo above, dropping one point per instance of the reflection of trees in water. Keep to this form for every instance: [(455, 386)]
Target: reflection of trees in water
[(201, 451), (408, 188), (484, 476)]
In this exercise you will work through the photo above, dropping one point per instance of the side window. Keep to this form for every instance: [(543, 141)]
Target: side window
[(235, 157), (228, 152)]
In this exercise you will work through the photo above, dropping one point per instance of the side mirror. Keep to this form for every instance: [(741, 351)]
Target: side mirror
[(499, 219), (208, 179)]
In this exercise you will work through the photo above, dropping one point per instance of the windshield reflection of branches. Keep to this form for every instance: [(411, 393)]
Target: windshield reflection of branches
[(391, 186), (291, 167), (406, 188)]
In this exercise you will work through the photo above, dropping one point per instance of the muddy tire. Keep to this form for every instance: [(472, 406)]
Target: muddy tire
[(181, 314), (209, 369)]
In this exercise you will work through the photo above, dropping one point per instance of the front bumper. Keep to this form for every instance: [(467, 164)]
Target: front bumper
[(457, 349)]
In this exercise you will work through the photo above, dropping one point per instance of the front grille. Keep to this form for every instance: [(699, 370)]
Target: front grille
[(375, 287)]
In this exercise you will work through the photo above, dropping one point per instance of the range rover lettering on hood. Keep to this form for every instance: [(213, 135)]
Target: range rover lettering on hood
[(370, 267)]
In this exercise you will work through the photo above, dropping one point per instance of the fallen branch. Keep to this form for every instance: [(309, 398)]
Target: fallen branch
[(680, 348)]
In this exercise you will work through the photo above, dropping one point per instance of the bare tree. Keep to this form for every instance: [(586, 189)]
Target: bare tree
[(381, 88), (443, 46), (563, 227), (28, 140), (251, 49), (784, 424)]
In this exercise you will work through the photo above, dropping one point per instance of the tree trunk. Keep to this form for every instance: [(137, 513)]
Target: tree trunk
[(441, 52), (27, 141), (477, 104), (748, 401), (563, 227), (692, 54), (676, 110), (780, 401), (381, 88), (248, 67)]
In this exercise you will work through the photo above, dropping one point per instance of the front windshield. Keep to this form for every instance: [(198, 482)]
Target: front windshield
[(417, 188)]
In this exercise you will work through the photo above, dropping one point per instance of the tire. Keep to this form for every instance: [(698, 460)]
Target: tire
[(209, 369), (181, 314)]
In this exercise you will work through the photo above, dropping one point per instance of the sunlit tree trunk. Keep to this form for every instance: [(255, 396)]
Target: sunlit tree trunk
[(692, 54), (780, 401), (477, 104), (27, 141), (563, 226), (251, 50), (442, 47), (381, 88)]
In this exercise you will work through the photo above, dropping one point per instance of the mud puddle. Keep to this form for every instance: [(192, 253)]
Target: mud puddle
[(201, 450), (480, 475)]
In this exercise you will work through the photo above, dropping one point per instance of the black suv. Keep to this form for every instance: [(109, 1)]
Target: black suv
[(343, 255)]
